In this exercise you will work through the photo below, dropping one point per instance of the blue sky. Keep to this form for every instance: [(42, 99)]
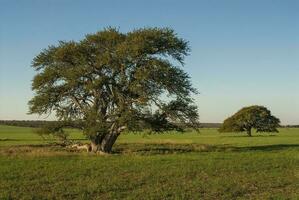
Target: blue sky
[(243, 52)]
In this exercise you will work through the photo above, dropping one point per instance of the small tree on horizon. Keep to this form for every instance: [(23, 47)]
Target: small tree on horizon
[(112, 81), (252, 117)]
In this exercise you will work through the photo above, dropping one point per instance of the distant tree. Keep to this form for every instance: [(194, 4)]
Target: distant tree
[(252, 117), (112, 81)]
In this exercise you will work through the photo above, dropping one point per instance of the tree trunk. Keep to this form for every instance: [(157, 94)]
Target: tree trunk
[(104, 144), (249, 132), (95, 144), (108, 141)]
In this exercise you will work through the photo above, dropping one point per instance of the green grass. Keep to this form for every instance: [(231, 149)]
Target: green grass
[(207, 165)]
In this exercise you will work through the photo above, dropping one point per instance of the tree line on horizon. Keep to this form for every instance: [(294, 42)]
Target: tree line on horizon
[(41, 123), (74, 124)]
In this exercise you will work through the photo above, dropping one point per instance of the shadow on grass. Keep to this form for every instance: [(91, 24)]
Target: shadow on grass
[(142, 149), (153, 149), (37, 140), (275, 147), (246, 136)]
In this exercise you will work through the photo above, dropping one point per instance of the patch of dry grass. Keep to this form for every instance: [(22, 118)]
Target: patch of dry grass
[(33, 150)]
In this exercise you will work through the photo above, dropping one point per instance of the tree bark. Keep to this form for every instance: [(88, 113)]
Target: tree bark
[(95, 144), (249, 132), (108, 141), (104, 144)]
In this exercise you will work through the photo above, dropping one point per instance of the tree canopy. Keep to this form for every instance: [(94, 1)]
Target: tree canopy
[(112, 81), (252, 117)]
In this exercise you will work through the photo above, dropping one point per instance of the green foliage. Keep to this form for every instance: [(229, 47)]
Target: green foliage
[(110, 80), (257, 117), (54, 129)]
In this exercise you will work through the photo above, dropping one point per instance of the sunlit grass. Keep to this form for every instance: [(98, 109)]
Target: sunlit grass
[(205, 165)]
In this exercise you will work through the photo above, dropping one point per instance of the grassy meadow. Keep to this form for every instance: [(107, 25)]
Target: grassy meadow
[(205, 165)]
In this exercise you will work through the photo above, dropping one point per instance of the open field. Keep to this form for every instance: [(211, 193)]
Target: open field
[(207, 165)]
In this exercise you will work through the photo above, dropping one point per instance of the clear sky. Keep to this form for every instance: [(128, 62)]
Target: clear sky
[(243, 52)]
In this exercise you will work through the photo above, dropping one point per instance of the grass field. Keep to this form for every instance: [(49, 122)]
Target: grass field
[(205, 165)]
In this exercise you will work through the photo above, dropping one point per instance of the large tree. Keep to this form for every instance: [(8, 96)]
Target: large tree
[(252, 117), (112, 81)]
